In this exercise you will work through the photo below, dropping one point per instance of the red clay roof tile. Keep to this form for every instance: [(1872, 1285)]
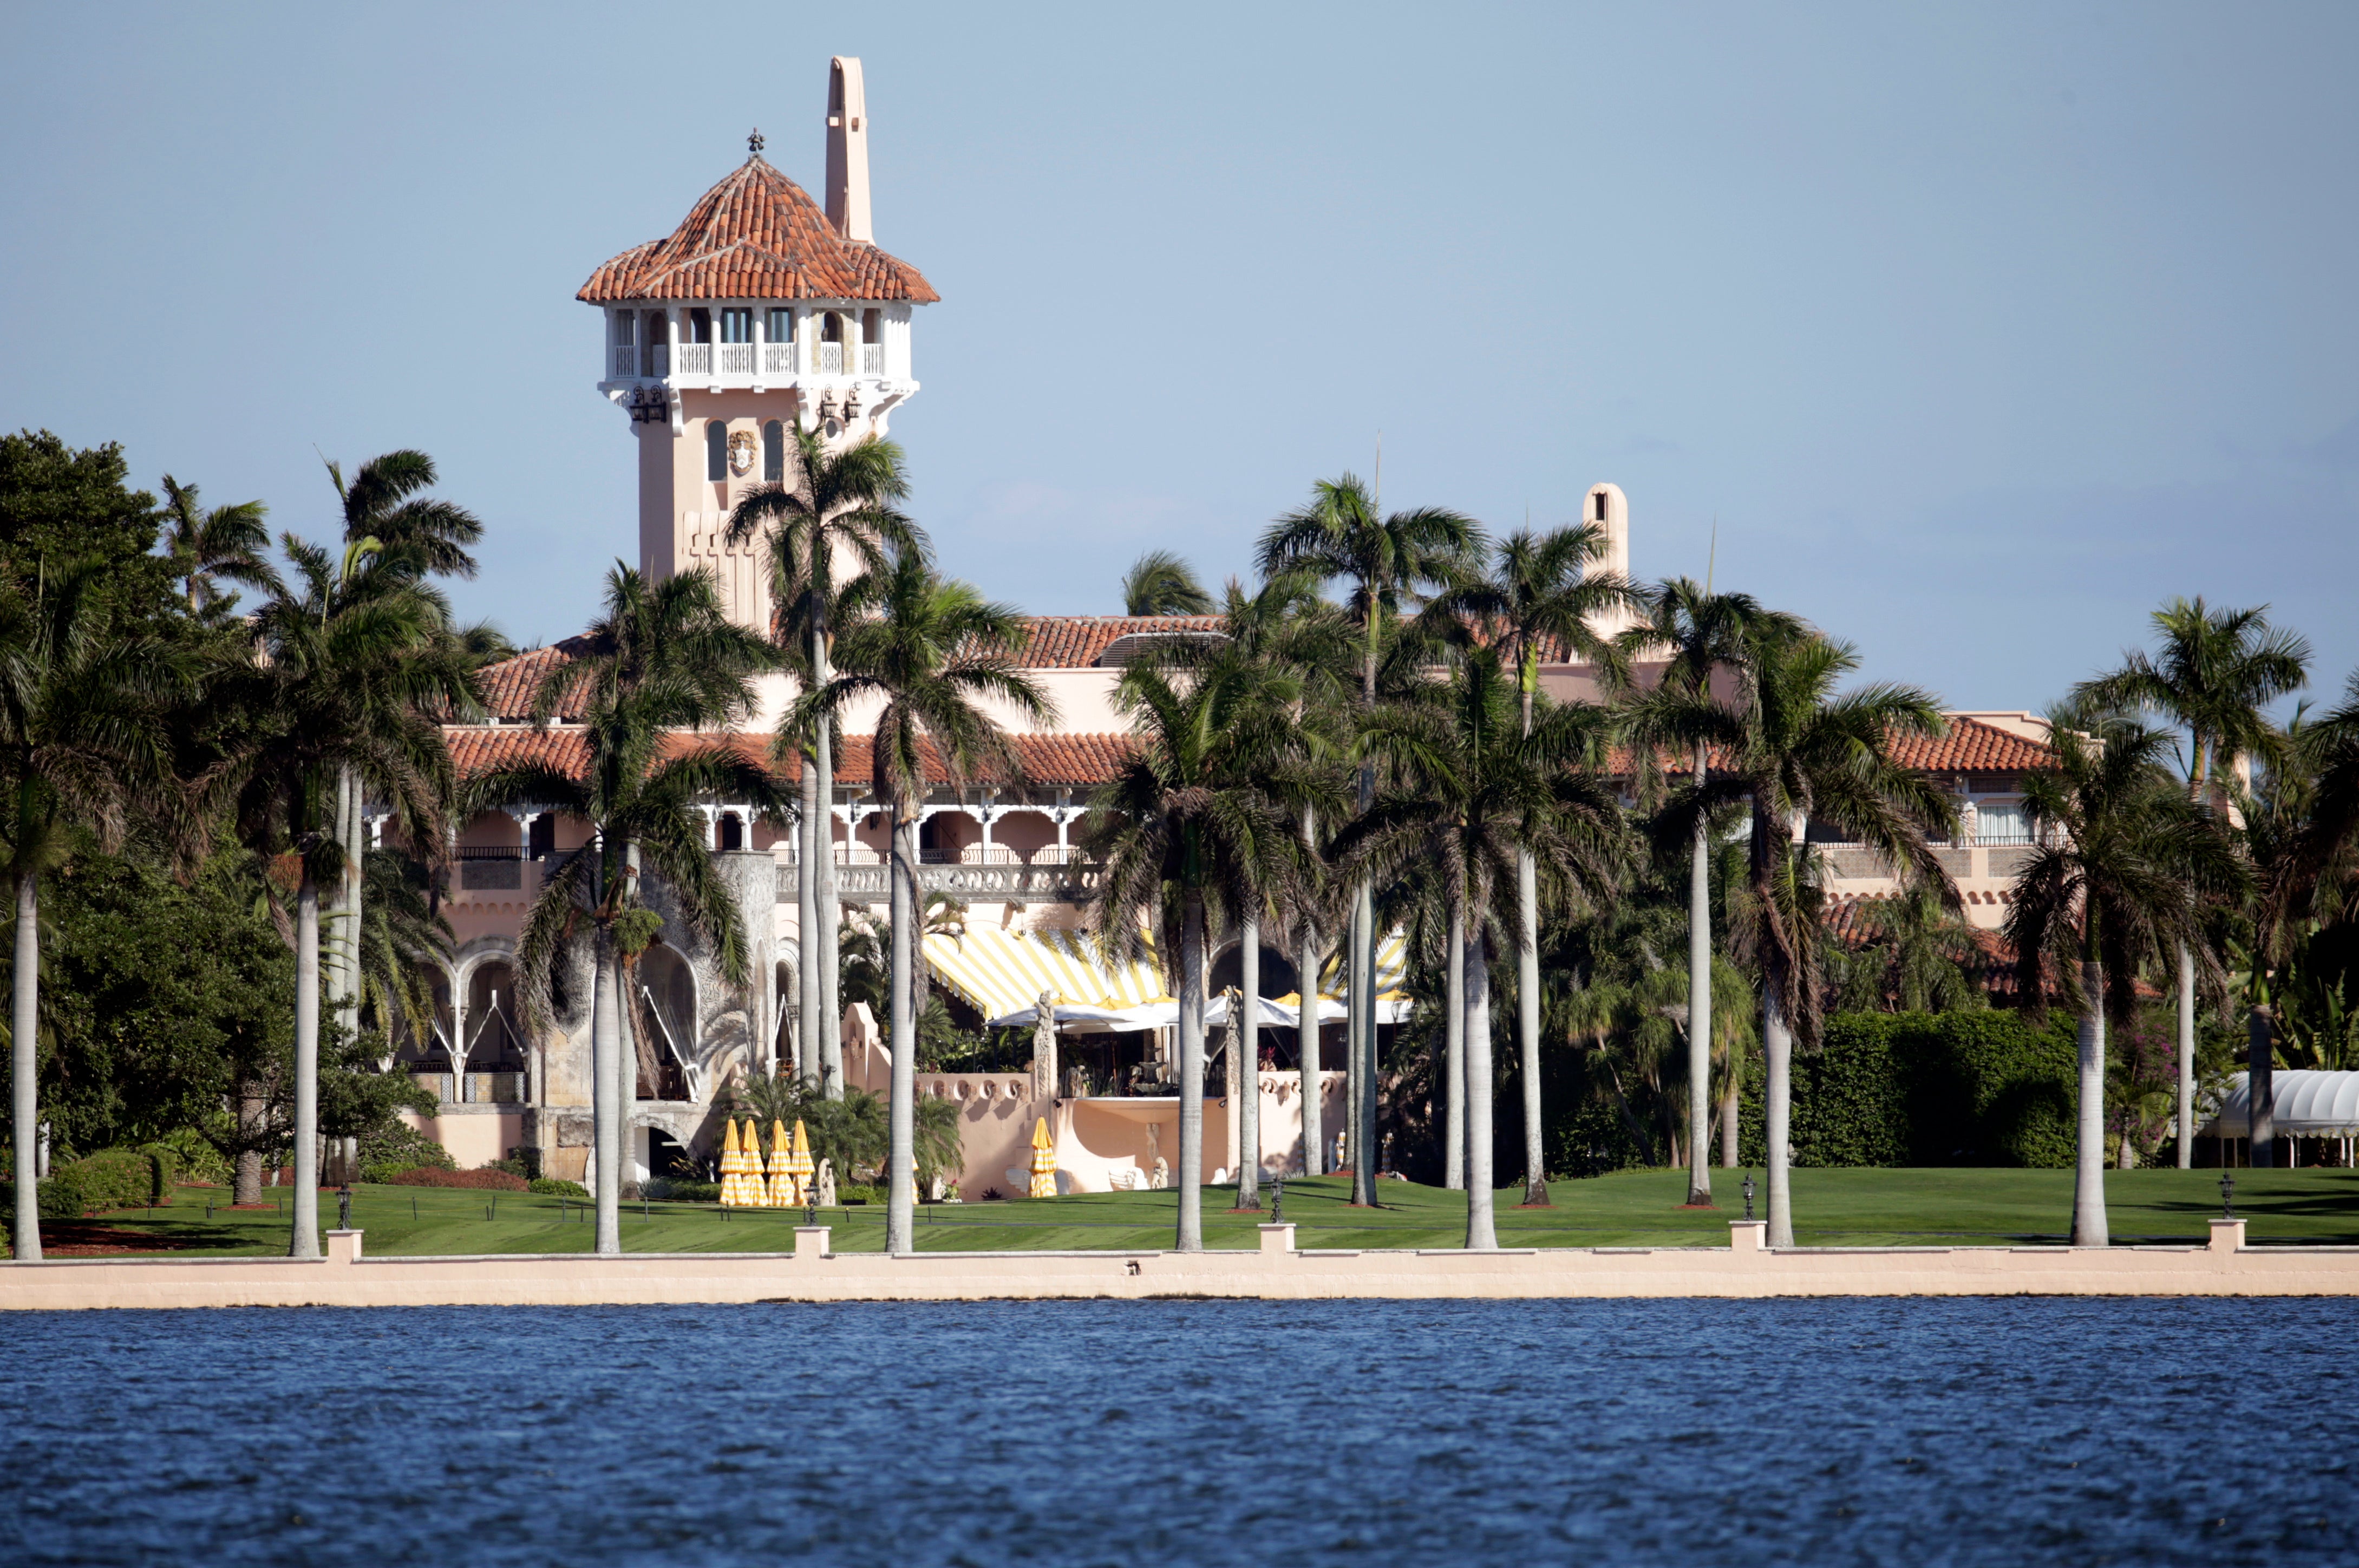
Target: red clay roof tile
[(757, 236)]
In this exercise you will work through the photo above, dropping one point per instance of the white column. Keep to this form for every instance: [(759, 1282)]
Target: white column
[(712, 826), (989, 814), (761, 346), (1063, 814)]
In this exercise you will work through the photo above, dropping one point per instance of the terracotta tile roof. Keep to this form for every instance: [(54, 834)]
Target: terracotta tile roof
[(1076, 642), (1968, 747), (757, 236), (1049, 759), (509, 685)]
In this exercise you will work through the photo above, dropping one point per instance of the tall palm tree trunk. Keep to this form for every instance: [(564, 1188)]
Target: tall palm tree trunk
[(25, 1123), (2186, 1057), (606, 1078), (1732, 1103), (2088, 1227), (1453, 1045), (901, 1168), (353, 833), (1482, 1231), (1528, 1023), (1698, 1149), (2261, 1086), (1191, 1238), (831, 1009), (810, 843), (1305, 1034), (305, 1240), (1364, 1046), (1248, 1035), (1777, 1106)]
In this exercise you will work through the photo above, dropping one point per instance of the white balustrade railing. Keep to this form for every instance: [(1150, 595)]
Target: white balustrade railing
[(741, 360), (830, 359), (779, 359), (736, 358), (626, 359), (872, 359), (696, 359)]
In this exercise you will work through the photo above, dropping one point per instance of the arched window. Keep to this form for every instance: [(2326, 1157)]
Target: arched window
[(542, 836), (773, 451), (733, 832), (716, 449), (1601, 506)]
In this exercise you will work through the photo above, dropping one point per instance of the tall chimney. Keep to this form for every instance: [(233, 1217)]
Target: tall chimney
[(847, 151)]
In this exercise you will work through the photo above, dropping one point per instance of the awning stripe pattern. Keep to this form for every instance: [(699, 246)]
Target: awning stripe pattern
[(1392, 967), (998, 973)]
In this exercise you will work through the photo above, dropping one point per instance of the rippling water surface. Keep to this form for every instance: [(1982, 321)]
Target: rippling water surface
[(1699, 1432)]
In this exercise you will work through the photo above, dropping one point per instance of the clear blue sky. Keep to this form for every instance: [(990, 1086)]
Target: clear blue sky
[(1978, 329)]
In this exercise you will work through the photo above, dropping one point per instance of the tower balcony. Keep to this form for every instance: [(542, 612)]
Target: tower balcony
[(741, 364)]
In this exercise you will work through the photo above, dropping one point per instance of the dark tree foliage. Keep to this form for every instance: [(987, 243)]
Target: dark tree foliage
[(58, 503)]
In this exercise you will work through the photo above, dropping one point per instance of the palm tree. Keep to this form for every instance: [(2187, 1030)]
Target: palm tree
[(1159, 584), (841, 502), (1805, 753), (2105, 892), (2212, 675), (82, 739), (209, 548), (1475, 791), (417, 537), (939, 656), (1707, 642), (1193, 835), (1344, 532), (665, 661), (351, 673), (1542, 593)]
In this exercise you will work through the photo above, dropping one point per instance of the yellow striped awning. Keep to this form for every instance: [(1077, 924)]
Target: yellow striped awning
[(1392, 967), (998, 973)]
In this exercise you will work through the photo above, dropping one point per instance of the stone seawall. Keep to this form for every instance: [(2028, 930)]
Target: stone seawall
[(1276, 1272)]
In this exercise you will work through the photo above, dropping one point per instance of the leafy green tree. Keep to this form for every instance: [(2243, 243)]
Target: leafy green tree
[(1160, 583), (2213, 673), (2105, 892), (939, 656), (664, 661), (83, 736), (841, 505), (1390, 561)]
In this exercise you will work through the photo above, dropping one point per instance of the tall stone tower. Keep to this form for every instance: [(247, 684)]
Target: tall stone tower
[(761, 309)]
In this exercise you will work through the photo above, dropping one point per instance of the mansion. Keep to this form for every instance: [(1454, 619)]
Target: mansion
[(765, 306)]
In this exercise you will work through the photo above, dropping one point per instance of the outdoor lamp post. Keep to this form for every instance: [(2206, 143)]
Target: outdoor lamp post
[(344, 1206), (2227, 1195), (1277, 1202), (1749, 1195)]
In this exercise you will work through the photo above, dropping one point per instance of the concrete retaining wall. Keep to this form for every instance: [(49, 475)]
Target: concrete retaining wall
[(1278, 1271)]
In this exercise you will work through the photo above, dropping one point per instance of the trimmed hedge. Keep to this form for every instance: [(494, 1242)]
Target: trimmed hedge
[(111, 1178), (485, 1180), (1966, 1088), (555, 1187)]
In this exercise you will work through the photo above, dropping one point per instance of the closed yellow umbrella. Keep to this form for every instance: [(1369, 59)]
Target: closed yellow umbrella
[(729, 1163), (782, 1168), (1044, 1161), (751, 1190), (799, 1163)]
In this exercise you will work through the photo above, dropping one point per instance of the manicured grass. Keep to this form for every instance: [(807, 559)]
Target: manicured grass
[(1833, 1208)]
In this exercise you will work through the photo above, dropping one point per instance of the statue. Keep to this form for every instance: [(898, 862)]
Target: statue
[(825, 1184), (1161, 1176)]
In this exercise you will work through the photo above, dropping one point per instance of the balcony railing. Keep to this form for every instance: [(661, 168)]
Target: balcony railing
[(779, 359), (481, 1088), (696, 359), (736, 358), (872, 359), (626, 359), (830, 359), (741, 361)]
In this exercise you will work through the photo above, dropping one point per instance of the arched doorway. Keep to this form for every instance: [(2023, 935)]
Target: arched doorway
[(663, 1022)]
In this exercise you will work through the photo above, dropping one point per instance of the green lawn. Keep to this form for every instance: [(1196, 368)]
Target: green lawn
[(1833, 1208)]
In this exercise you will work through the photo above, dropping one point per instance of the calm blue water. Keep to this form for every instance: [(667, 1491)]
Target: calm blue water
[(1696, 1432)]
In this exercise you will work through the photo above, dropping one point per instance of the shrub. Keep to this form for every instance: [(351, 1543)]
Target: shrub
[(111, 1178), (481, 1181), (199, 1161), (1959, 1088), (555, 1187), (512, 1165), (526, 1158), (401, 1147), (680, 1190)]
